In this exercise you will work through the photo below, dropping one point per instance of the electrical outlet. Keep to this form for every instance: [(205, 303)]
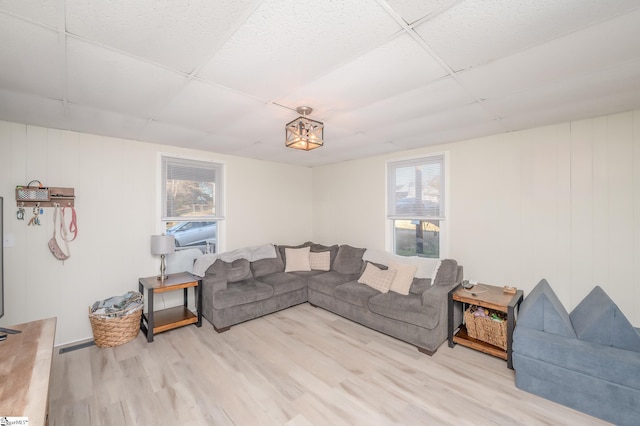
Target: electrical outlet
[(9, 240)]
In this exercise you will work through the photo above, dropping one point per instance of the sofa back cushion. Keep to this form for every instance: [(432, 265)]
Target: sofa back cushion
[(597, 319), (349, 260), (447, 274), (232, 272), (419, 285), (263, 267), (542, 310)]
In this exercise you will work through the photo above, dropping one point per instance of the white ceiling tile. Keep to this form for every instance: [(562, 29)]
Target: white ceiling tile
[(413, 10), (393, 68), (561, 59), (475, 32), (29, 109), (266, 124), (169, 134), (207, 108), (33, 61), (467, 115), (285, 44), (180, 34), (438, 96), (46, 12), (98, 121), (103, 78)]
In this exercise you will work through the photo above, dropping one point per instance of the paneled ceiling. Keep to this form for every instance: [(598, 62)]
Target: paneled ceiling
[(383, 75)]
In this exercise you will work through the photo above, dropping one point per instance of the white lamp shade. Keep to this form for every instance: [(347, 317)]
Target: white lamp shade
[(163, 244)]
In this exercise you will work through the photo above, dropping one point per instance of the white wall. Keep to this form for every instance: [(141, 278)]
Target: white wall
[(560, 202), (115, 185)]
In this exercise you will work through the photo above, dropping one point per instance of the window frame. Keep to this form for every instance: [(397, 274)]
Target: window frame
[(443, 217), (220, 197)]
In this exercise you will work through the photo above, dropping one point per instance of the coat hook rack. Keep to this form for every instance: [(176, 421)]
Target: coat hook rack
[(39, 196)]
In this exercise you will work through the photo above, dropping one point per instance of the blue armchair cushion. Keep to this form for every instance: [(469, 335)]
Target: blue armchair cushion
[(597, 319), (542, 310)]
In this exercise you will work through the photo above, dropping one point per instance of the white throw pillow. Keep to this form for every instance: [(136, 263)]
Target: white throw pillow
[(404, 276), (377, 278), (297, 259), (320, 261)]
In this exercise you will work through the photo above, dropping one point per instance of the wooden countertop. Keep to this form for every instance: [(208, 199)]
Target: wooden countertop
[(25, 368)]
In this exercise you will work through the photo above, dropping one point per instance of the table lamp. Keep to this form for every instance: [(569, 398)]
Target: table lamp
[(162, 245)]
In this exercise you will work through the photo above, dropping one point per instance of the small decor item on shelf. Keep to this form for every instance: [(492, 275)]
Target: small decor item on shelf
[(116, 320), (486, 325)]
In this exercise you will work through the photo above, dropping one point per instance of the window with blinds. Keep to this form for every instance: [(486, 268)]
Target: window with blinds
[(192, 201), (415, 204)]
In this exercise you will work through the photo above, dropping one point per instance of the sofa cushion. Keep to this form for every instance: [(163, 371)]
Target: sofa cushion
[(320, 261), (348, 260), (232, 272), (419, 285), (297, 259), (283, 282), (542, 310), (597, 319), (242, 292), (377, 278), (404, 276), (407, 309), (355, 293), (447, 273), (326, 282), (263, 267)]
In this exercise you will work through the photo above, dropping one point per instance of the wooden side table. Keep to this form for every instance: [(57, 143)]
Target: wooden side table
[(167, 319), (490, 297)]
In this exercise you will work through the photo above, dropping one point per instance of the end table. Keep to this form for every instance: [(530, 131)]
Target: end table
[(170, 318), (486, 296)]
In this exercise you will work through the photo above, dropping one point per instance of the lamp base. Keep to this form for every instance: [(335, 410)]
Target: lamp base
[(162, 275)]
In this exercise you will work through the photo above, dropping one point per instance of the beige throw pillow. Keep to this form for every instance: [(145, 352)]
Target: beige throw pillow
[(404, 276), (320, 261), (297, 259), (377, 278)]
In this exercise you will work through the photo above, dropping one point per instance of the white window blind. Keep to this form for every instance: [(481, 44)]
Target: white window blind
[(416, 188), (191, 189)]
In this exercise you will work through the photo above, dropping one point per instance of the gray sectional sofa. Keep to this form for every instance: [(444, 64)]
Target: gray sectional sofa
[(588, 360), (239, 290)]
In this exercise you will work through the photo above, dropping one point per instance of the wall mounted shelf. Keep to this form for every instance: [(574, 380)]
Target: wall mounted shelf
[(37, 196)]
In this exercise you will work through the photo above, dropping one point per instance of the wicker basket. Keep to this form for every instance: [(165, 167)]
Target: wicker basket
[(486, 329), (113, 329)]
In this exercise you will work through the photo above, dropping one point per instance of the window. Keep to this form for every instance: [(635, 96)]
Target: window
[(416, 205), (192, 201)]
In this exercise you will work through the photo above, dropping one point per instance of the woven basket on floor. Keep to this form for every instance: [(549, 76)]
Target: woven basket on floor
[(486, 329), (113, 330)]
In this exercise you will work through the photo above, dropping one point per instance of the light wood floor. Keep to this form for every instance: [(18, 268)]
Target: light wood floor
[(301, 366)]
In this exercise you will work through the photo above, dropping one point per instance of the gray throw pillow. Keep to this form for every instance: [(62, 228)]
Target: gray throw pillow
[(597, 319), (349, 260)]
